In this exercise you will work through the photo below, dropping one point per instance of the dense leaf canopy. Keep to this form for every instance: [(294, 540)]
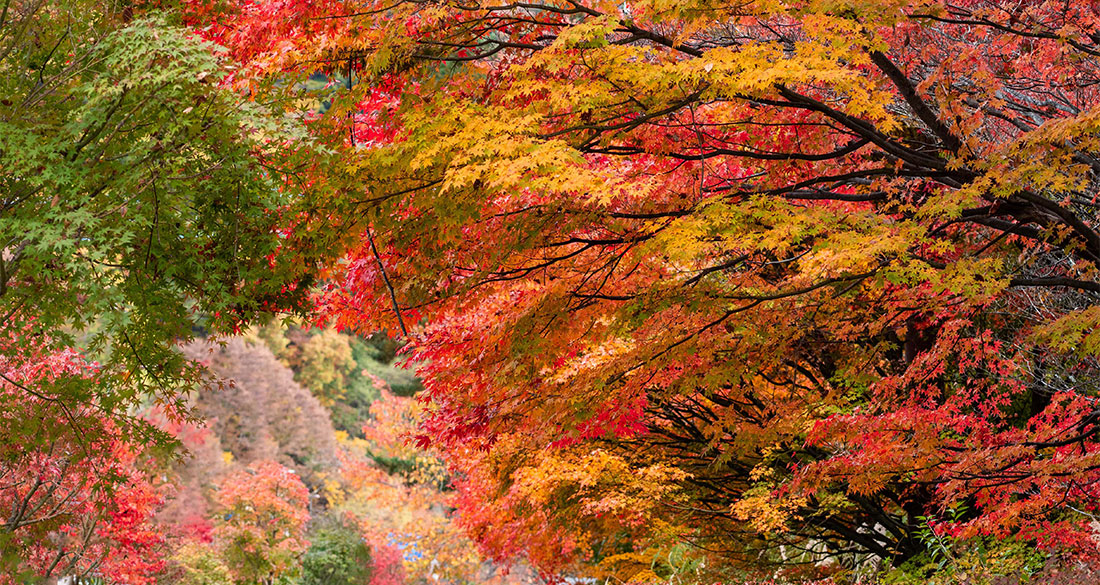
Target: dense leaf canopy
[(708, 287), (141, 199), (779, 279)]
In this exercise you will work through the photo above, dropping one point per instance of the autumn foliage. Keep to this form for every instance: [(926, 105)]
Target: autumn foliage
[(76, 500), (788, 281), (698, 290), (264, 511)]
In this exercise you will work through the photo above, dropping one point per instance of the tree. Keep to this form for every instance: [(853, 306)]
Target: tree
[(198, 564), (337, 555), (264, 510), (259, 412), (143, 201), (78, 503), (388, 439), (86, 517), (834, 263), (339, 369), (322, 365), (398, 495)]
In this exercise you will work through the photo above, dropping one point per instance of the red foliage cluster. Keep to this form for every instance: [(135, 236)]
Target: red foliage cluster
[(78, 500)]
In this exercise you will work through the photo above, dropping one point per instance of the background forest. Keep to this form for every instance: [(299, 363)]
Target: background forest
[(636, 292), (302, 474)]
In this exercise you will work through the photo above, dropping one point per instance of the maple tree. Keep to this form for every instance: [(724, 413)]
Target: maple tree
[(830, 266), (696, 287), (264, 510), (143, 201), (377, 514), (82, 504), (68, 518)]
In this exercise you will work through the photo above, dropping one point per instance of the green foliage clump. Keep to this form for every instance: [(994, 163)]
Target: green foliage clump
[(980, 561), (139, 199), (337, 555), (374, 361)]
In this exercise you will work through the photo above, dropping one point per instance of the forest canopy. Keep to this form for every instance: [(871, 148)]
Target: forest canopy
[(695, 291)]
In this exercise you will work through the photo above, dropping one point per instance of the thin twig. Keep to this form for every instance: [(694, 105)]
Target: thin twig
[(389, 285)]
